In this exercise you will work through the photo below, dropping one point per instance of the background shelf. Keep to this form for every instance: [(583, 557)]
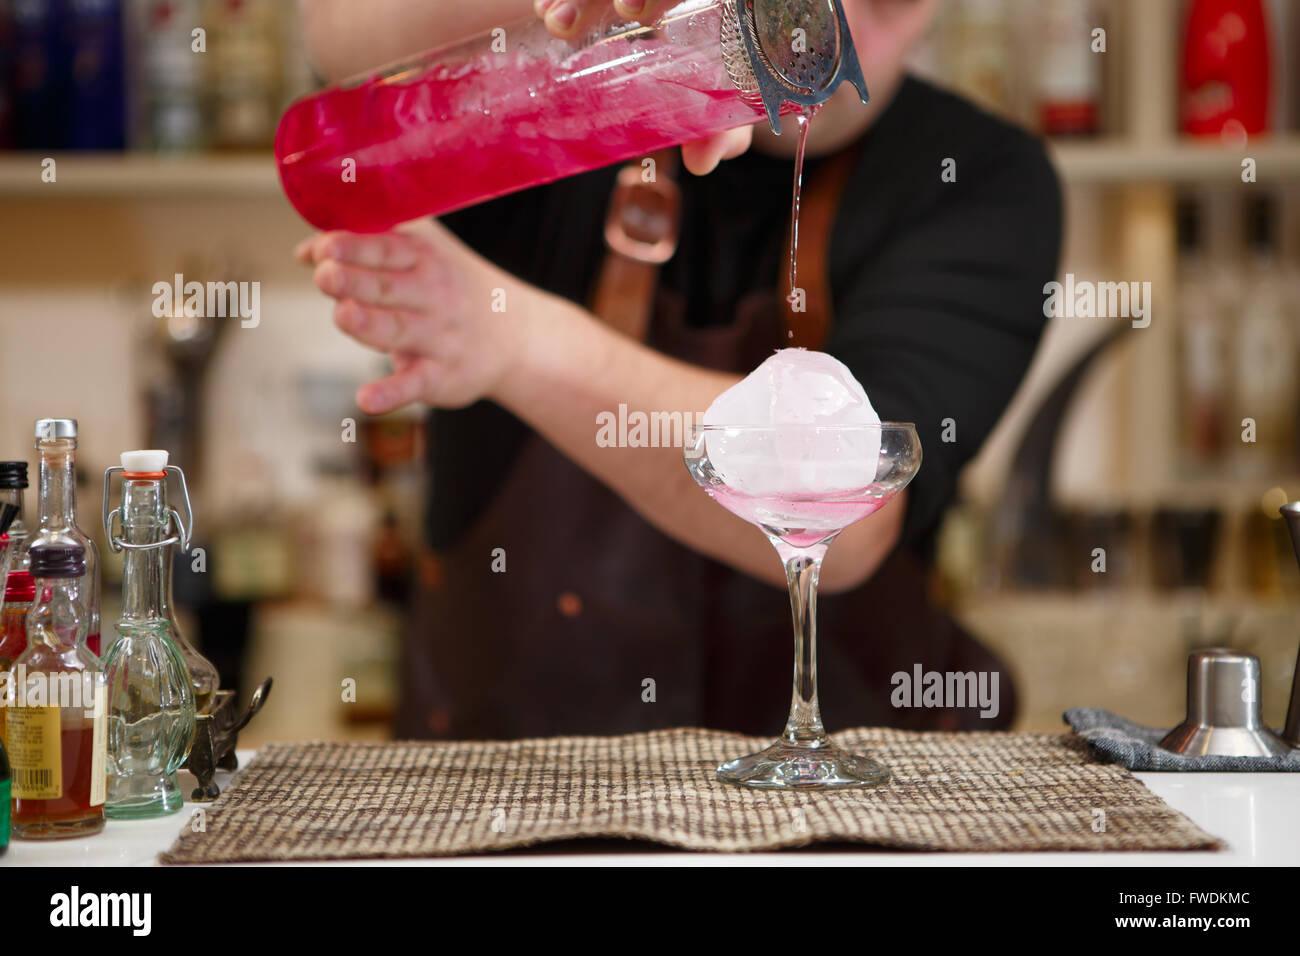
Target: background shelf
[(132, 175), (1116, 161), (1120, 161)]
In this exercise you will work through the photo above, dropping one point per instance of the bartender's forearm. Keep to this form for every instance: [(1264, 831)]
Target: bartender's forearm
[(420, 295), (345, 37), (574, 368)]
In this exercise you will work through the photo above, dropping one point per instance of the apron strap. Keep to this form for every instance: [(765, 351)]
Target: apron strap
[(641, 230)]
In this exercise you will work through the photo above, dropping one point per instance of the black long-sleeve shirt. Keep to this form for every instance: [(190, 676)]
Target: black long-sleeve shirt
[(937, 285)]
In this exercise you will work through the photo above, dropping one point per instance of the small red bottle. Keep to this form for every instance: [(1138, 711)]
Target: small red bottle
[(18, 595), (1227, 69)]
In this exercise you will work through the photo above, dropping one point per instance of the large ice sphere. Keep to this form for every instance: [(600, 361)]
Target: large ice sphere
[(795, 387)]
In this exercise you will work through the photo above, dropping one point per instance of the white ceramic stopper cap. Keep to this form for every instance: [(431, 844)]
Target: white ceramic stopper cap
[(145, 460)]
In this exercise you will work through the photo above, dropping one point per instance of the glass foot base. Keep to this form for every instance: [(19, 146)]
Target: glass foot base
[(139, 798), (784, 766)]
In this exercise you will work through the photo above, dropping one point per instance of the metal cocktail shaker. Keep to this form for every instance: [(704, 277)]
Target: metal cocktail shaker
[(515, 107), (1223, 706), (1223, 711)]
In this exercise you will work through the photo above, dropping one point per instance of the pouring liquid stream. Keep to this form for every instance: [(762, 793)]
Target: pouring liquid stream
[(804, 119)]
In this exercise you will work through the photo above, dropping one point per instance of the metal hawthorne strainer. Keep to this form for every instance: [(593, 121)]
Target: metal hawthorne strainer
[(796, 51)]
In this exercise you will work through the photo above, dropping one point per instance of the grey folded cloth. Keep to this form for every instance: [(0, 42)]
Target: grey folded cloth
[(1116, 740)]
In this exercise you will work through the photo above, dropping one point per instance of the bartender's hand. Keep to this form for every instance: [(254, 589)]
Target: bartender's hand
[(568, 18), (451, 322), (459, 329)]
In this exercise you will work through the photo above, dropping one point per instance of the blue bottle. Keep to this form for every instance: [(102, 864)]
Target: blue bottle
[(37, 74), (95, 89)]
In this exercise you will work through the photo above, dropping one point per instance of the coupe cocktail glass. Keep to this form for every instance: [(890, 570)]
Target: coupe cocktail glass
[(802, 485)]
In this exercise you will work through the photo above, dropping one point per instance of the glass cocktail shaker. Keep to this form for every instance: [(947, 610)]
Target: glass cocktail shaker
[(515, 107)]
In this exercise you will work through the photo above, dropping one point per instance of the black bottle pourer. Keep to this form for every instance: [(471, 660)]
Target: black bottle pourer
[(13, 475)]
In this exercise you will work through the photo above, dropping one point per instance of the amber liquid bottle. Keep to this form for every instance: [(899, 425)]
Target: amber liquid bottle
[(57, 727)]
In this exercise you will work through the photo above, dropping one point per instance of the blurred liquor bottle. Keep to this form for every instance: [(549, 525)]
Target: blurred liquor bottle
[(1265, 376), (296, 75), (1288, 277), (7, 78), (245, 71), (13, 484), (1293, 65), (1185, 545), (63, 69), (1284, 19), (393, 446), (336, 538), (38, 77), (1266, 553), (1204, 355), (95, 83), (1067, 81), (167, 76), (1226, 69), (979, 52)]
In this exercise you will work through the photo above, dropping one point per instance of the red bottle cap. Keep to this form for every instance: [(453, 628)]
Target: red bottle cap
[(20, 588)]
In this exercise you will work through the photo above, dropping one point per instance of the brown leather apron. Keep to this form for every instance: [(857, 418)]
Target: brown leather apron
[(595, 603)]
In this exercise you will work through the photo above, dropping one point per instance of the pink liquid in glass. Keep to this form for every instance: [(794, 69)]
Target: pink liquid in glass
[(800, 520), (469, 122)]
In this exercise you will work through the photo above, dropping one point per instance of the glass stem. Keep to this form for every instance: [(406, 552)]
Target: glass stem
[(802, 568)]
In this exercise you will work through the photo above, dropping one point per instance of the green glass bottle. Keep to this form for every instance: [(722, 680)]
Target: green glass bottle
[(6, 777)]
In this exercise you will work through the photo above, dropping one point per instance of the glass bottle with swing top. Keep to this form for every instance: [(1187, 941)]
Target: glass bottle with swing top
[(154, 691)]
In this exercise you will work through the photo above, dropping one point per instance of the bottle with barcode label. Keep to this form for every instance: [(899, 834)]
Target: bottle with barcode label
[(56, 731)]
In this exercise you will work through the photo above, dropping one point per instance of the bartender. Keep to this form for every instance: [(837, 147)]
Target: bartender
[(579, 588)]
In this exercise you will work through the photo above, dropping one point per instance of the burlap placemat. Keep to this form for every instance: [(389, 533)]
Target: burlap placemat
[(950, 791)]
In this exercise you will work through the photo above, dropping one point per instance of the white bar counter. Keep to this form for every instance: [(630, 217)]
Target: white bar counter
[(1254, 813)]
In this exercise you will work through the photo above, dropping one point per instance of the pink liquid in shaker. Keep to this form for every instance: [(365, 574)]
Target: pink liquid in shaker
[(468, 123)]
